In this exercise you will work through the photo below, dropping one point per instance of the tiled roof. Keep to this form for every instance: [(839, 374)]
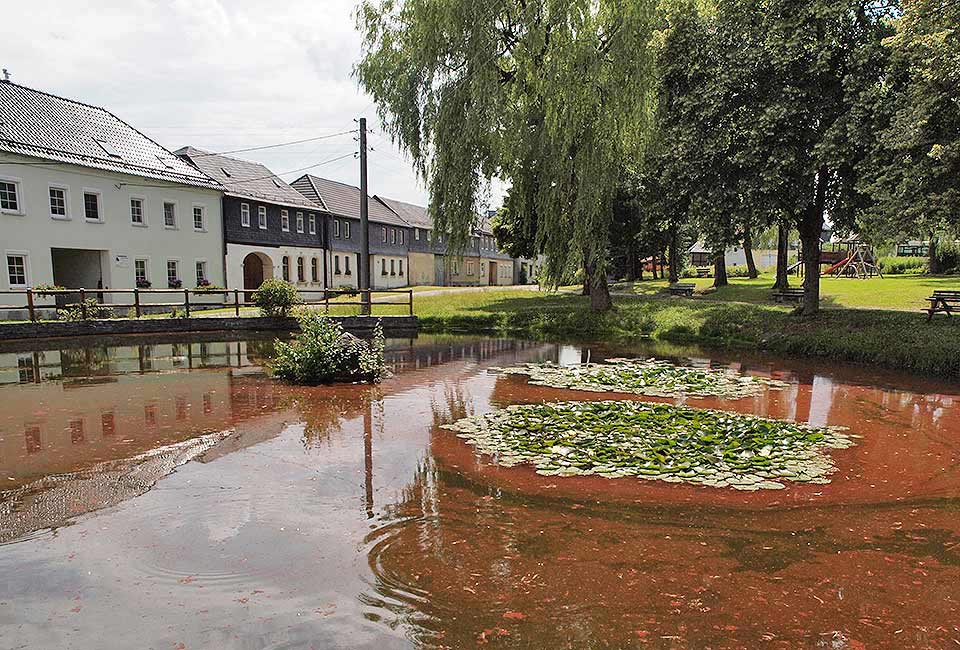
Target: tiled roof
[(413, 214), (344, 200), (244, 178), (41, 125)]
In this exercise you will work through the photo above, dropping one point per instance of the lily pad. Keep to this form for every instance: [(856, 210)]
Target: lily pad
[(618, 439)]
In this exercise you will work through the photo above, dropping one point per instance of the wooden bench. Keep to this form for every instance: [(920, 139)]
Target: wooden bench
[(704, 271), (682, 289), (792, 294), (943, 301)]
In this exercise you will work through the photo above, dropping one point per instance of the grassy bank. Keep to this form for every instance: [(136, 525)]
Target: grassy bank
[(892, 339)]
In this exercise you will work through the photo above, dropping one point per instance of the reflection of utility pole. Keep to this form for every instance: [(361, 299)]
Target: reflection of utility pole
[(368, 458)]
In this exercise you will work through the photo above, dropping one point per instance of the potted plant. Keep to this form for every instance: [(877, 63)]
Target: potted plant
[(144, 284), (175, 284), (46, 290), (205, 286)]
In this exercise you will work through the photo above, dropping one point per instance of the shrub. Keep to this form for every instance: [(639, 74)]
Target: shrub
[(738, 272), (948, 257), (276, 298), (144, 284), (903, 265), (323, 353), (688, 272), (94, 311)]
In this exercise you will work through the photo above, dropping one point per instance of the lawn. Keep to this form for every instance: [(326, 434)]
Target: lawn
[(896, 292)]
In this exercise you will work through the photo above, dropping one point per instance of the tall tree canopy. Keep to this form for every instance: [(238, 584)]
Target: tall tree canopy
[(552, 96)]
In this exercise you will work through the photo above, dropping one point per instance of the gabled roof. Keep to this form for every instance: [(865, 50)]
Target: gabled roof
[(244, 178), (344, 200), (41, 125), (413, 214)]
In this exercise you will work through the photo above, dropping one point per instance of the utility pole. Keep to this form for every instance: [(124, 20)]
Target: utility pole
[(364, 223)]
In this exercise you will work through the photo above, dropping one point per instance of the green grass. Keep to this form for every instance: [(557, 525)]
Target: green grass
[(894, 292), (893, 339)]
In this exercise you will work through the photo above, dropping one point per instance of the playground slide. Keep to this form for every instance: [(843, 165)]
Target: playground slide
[(834, 267)]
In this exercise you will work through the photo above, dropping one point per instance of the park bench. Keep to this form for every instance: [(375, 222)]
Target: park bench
[(792, 294), (945, 301), (704, 271), (682, 289)]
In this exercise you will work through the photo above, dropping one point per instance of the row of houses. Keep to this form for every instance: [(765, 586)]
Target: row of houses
[(86, 200)]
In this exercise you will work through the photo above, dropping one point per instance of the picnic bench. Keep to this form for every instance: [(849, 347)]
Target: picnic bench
[(704, 271), (682, 289), (943, 301), (791, 294)]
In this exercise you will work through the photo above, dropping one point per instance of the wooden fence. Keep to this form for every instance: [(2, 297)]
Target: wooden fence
[(202, 299)]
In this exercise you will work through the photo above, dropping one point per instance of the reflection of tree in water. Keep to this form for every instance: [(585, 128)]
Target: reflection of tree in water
[(259, 351), (457, 404), (323, 411), (85, 362)]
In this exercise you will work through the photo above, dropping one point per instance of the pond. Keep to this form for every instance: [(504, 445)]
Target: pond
[(168, 494)]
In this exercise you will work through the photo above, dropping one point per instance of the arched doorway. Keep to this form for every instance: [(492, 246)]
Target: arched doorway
[(257, 267)]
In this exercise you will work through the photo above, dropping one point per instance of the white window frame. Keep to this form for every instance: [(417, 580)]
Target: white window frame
[(383, 234), (262, 217), (27, 273), (336, 228), (206, 274), (100, 217), (346, 230), (285, 268), (346, 265), (143, 210), (176, 218), (401, 236), (166, 270), (285, 220), (314, 269), (146, 261), (299, 222), (301, 269), (245, 215), (312, 220), (203, 217), (336, 265), (66, 201), (21, 210)]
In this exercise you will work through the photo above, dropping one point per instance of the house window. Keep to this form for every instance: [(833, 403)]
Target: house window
[(286, 268), (400, 262), (383, 235), (198, 218), (336, 265), (77, 434), (169, 214), (336, 228), (383, 267), (346, 230), (284, 221), (17, 270), (314, 270), (10, 197), (173, 273), (346, 263), (91, 206), (299, 222), (245, 215), (140, 272), (58, 203), (313, 224), (137, 214), (393, 271), (201, 273), (416, 234), (108, 423), (301, 275), (469, 268), (31, 436), (262, 217), (393, 235)]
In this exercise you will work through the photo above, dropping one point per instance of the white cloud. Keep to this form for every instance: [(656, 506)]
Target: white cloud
[(216, 74)]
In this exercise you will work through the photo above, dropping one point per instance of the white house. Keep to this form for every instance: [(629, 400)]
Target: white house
[(87, 201)]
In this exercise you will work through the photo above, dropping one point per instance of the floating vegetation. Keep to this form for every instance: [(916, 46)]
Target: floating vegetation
[(655, 441), (644, 377)]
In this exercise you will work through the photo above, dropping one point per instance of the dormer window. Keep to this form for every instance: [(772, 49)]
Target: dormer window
[(108, 148), (166, 163)]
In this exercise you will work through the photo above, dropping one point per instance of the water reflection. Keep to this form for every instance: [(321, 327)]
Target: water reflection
[(345, 517)]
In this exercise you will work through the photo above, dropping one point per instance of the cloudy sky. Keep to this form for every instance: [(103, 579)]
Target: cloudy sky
[(215, 74)]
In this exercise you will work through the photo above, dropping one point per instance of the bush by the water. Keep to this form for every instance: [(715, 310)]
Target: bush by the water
[(89, 310), (903, 265), (323, 353), (276, 298)]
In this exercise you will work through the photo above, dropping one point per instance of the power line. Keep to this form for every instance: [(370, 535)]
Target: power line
[(273, 146)]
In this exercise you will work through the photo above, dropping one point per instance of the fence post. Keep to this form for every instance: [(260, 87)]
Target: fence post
[(83, 304), (410, 292), (136, 301), (186, 302), (326, 302), (30, 311), (236, 301)]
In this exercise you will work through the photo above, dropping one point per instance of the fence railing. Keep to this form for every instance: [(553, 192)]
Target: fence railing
[(202, 299)]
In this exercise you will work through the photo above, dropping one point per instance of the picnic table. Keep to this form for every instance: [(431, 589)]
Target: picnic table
[(943, 301), (791, 294), (682, 289), (704, 271)]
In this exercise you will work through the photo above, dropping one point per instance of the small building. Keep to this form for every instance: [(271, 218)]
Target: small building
[(701, 255), (389, 235), (913, 248), (496, 267), (270, 229), (425, 252), (87, 201)]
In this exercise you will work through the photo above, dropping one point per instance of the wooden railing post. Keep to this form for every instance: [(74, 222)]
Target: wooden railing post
[(186, 302), (136, 301), (32, 313), (410, 292), (83, 304), (236, 302), (326, 302)]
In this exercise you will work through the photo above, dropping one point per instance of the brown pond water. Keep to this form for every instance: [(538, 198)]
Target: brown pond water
[(171, 496)]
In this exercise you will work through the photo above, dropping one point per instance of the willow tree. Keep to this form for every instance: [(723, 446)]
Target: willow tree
[(549, 95)]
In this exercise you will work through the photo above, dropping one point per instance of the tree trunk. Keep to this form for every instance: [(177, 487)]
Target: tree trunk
[(587, 280), (811, 229), (599, 290), (783, 260), (720, 268), (674, 252), (933, 264), (661, 258), (653, 266), (630, 270), (748, 253)]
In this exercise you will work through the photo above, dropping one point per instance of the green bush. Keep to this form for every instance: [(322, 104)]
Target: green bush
[(903, 265), (94, 311), (738, 272), (688, 272), (276, 298), (948, 257), (323, 353)]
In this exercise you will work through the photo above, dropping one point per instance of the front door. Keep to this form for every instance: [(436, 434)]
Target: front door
[(492, 273), (252, 275)]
